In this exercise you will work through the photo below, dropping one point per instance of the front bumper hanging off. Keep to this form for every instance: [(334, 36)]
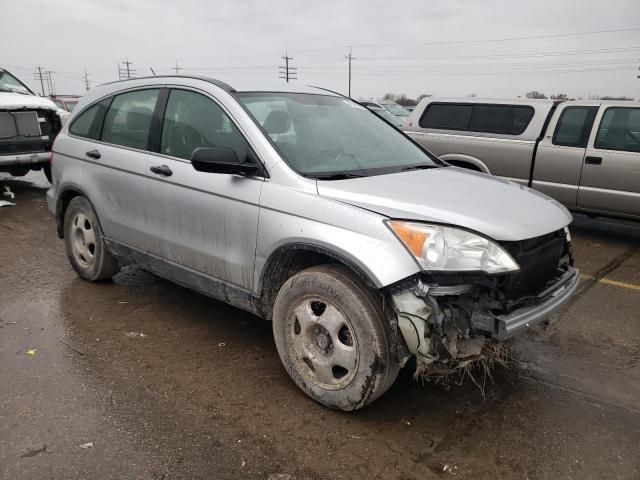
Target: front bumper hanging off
[(458, 322), (552, 299)]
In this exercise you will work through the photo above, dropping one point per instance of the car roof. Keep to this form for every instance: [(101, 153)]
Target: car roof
[(310, 89), (494, 101)]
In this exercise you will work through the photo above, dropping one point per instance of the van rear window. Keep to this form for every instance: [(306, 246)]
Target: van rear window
[(478, 117)]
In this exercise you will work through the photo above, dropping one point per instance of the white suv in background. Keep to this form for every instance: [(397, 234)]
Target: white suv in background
[(28, 126)]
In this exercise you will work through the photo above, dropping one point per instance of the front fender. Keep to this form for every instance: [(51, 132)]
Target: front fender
[(351, 234), (459, 158)]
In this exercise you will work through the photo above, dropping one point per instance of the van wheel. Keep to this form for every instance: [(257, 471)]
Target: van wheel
[(84, 244), (332, 337)]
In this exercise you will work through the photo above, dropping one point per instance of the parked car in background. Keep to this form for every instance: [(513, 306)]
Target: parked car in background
[(307, 209), (65, 102), (28, 126), (387, 115), (585, 154), (391, 107)]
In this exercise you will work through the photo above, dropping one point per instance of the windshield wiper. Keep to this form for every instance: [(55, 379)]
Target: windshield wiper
[(336, 176), (419, 167)]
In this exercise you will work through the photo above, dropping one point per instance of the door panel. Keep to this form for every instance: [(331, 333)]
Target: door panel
[(561, 152), (115, 178), (115, 184), (610, 180), (204, 221)]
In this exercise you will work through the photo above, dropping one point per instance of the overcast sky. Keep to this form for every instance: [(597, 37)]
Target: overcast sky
[(442, 47)]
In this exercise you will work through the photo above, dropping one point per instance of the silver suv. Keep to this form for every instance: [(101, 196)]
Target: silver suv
[(308, 210)]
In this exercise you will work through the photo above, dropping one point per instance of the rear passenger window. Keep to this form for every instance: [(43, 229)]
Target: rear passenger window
[(87, 123), (574, 126), (128, 119), (619, 129), (501, 119), (194, 121)]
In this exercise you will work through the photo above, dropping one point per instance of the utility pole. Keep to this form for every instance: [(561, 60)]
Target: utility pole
[(177, 68), (349, 57), (85, 80), (39, 75), (287, 72), (50, 81), (126, 72)]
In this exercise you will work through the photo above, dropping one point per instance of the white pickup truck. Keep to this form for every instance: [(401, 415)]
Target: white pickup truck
[(28, 126), (585, 154)]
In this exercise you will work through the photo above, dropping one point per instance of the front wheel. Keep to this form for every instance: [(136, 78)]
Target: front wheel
[(332, 337), (84, 242)]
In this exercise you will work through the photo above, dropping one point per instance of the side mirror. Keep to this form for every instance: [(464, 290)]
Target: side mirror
[(221, 160)]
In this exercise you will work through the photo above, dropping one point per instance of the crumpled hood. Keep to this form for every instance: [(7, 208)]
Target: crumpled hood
[(18, 101), (489, 205)]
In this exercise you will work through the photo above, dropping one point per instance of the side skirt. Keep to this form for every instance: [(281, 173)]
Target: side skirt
[(187, 277)]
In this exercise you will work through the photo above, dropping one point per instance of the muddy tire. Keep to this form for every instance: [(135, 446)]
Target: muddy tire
[(332, 337), (47, 172), (84, 244)]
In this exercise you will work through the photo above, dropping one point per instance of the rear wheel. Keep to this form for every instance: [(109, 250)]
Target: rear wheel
[(333, 339), (84, 242)]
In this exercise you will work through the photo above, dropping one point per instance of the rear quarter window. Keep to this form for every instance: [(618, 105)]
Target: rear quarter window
[(486, 118), (87, 123)]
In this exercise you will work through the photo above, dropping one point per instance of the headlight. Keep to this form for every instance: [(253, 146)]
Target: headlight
[(451, 249), (567, 233)]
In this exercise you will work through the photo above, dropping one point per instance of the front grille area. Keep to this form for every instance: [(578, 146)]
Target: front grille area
[(27, 131), (539, 259)]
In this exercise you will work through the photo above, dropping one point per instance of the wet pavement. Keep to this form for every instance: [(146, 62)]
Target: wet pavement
[(142, 379)]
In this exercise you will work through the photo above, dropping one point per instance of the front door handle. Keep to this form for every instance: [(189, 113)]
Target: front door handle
[(93, 154), (162, 170), (593, 160)]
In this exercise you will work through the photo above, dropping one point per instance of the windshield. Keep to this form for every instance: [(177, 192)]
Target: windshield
[(9, 83), (396, 109), (71, 104), (321, 135)]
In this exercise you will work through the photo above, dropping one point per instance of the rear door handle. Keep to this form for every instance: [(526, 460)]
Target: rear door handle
[(593, 160), (162, 170), (93, 154)]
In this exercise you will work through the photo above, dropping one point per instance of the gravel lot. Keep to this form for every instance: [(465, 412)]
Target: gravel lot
[(142, 379)]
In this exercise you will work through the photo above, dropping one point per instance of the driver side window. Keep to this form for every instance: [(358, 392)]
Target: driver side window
[(192, 121)]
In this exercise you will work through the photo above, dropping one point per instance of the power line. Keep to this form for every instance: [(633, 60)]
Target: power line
[(507, 39), (350, 57), (287, 72)]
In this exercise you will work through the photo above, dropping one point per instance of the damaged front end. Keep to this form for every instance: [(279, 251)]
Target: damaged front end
[(450, 320)]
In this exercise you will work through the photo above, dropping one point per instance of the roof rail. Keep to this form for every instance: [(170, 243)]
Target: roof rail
[(226, 87)]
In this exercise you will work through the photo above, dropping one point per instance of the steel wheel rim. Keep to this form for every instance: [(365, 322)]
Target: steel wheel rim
[(83, 240), (321, 343)]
